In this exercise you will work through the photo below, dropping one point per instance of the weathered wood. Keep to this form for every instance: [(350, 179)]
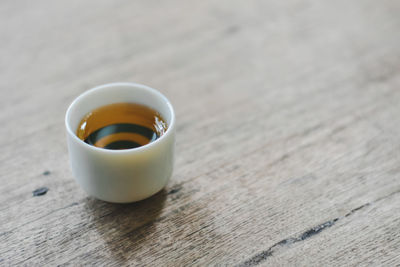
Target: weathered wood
[(288, 148)]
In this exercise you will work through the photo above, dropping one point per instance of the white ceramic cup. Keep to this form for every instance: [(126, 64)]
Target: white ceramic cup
[(127, 175)]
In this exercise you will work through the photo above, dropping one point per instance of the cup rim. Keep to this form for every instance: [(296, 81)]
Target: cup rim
[(170, 128)]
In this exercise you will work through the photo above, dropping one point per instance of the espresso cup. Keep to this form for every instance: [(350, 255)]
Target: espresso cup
[(127, 175)]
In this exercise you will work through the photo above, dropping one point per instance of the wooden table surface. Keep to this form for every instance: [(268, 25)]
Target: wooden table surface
[(288, 138)]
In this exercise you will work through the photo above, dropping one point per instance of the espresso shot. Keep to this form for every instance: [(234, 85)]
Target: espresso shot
[(121, 126)]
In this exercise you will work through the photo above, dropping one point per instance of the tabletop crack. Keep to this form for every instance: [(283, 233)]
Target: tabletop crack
[(264, 255)]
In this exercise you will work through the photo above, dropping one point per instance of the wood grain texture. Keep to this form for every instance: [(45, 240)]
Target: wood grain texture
[(288, 140)]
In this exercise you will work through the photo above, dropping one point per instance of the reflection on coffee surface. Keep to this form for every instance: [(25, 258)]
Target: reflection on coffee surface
[(121, 126)]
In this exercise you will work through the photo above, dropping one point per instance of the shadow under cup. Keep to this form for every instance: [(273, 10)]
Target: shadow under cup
[(127, 175)]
